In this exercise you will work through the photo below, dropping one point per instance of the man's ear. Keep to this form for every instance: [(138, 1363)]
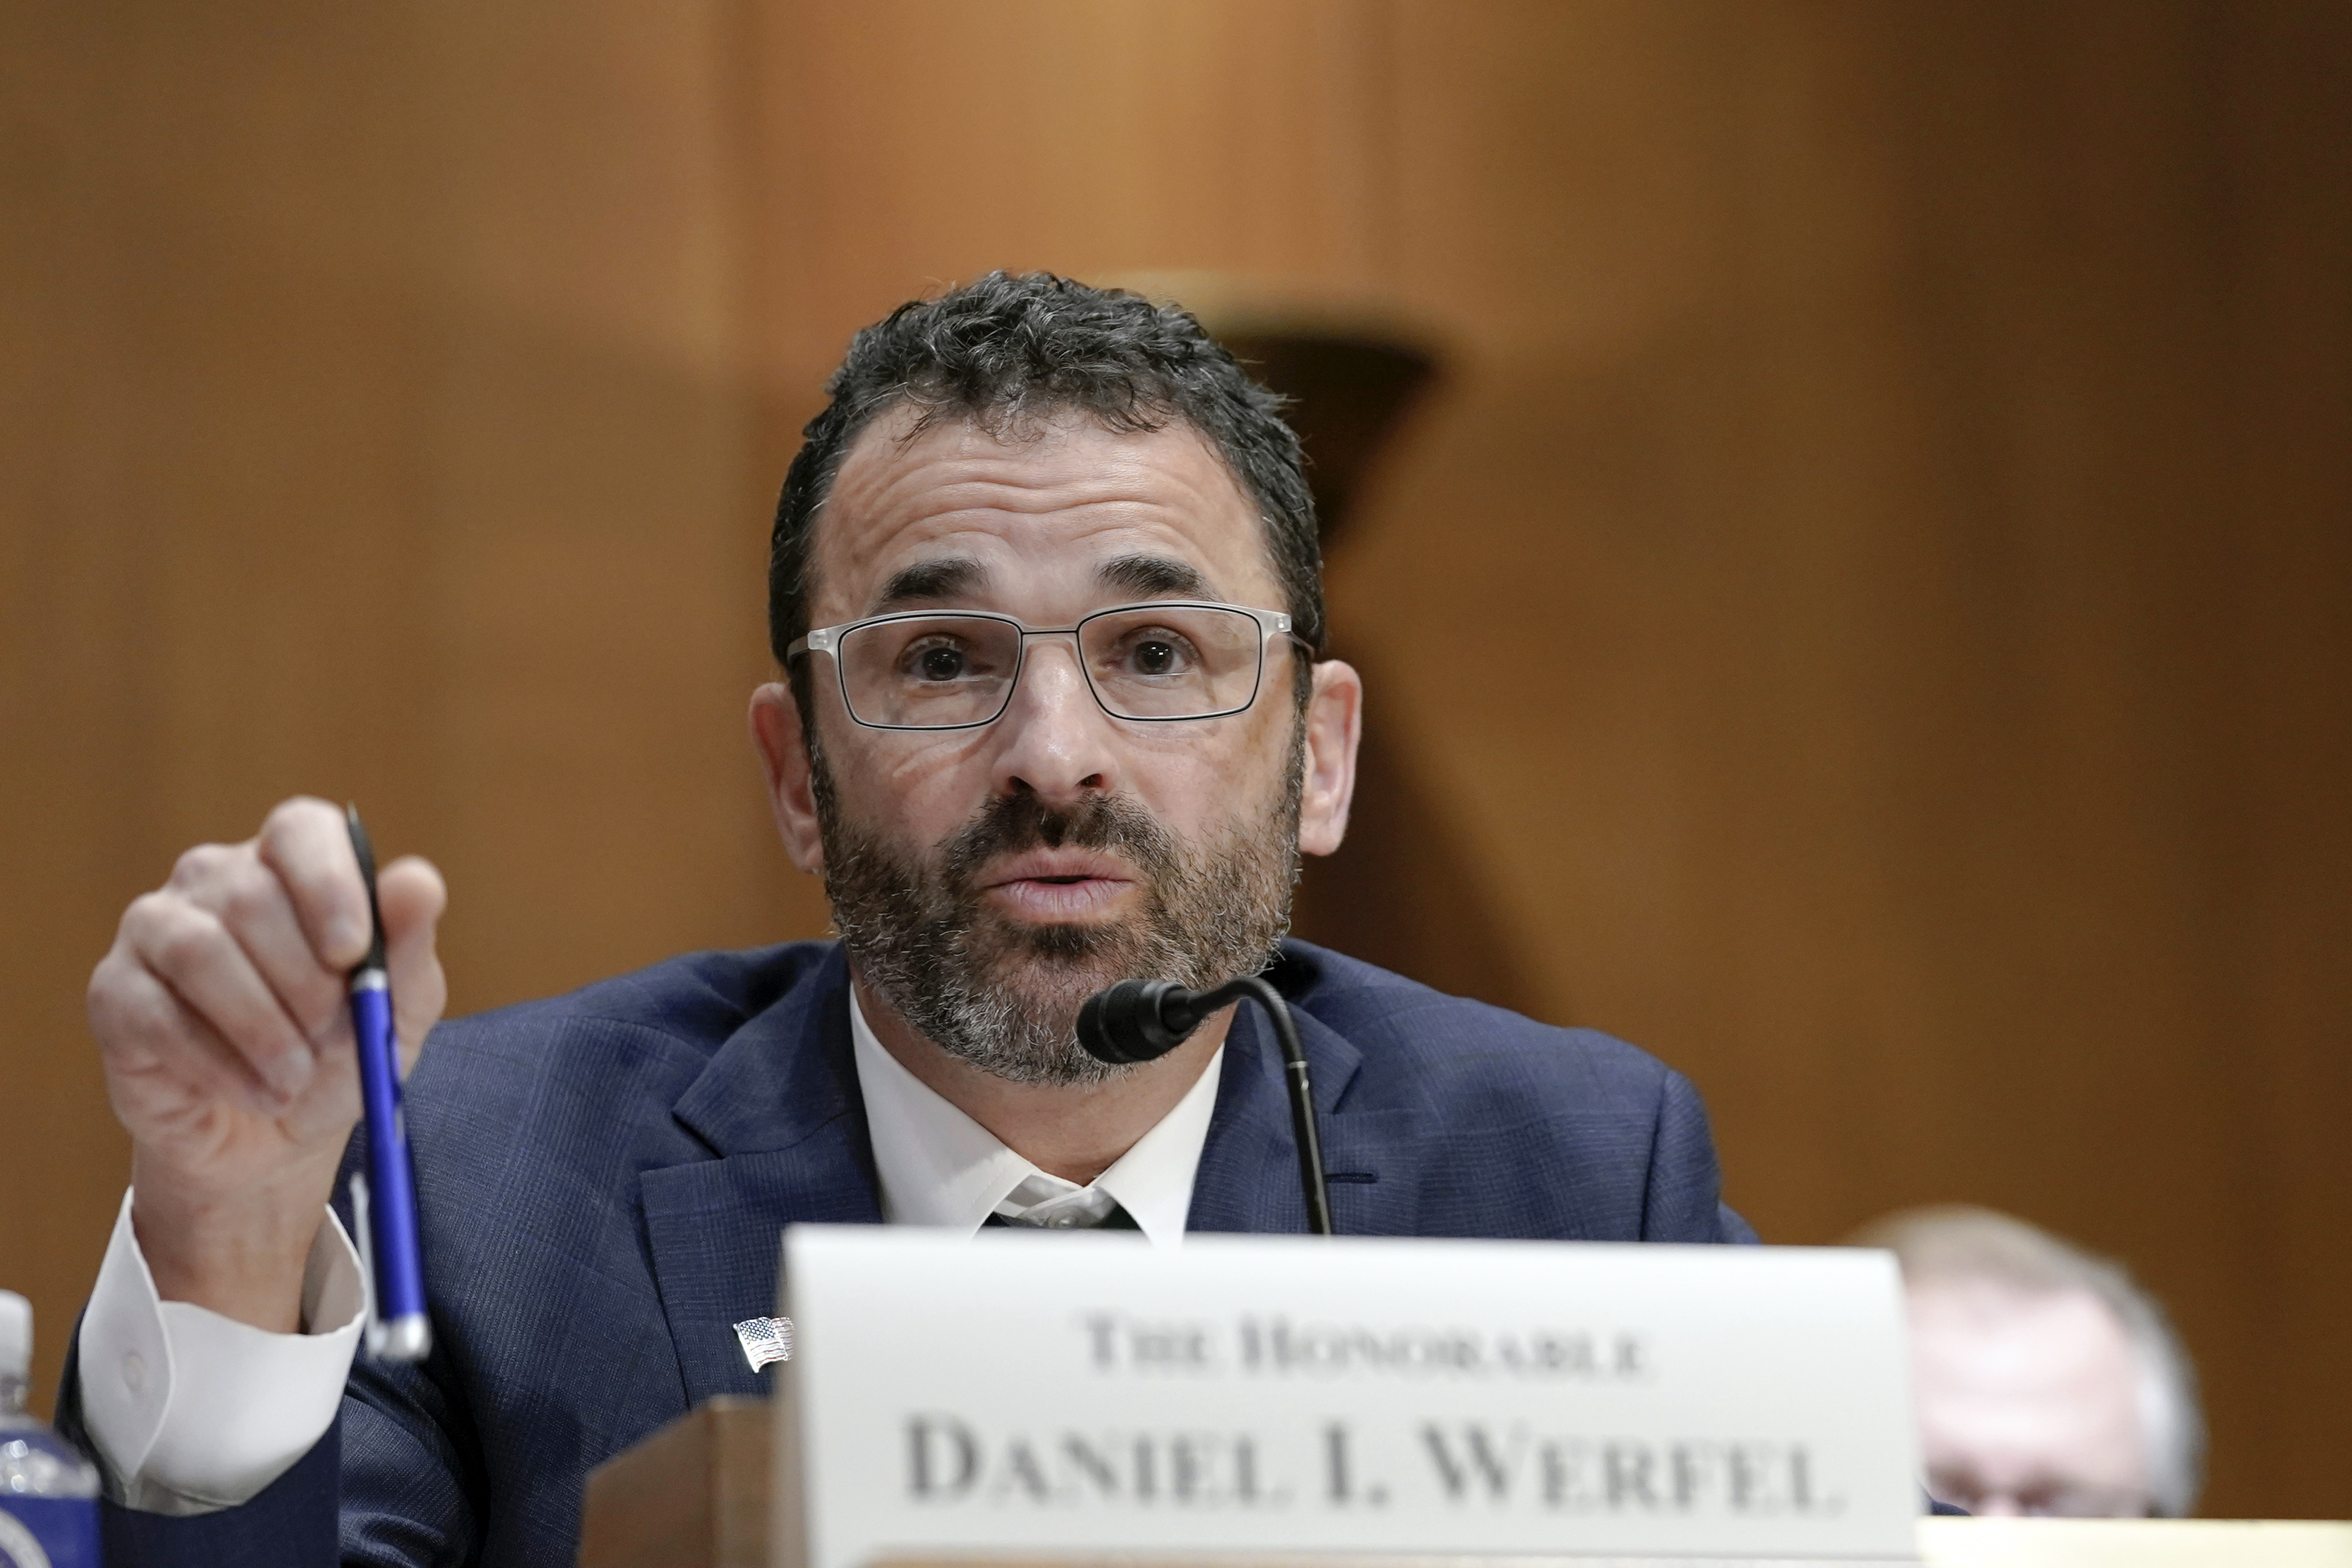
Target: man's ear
[(1335, 720), (784, 757)]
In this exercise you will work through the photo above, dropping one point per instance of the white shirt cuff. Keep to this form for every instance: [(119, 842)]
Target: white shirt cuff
[(193, 1412)]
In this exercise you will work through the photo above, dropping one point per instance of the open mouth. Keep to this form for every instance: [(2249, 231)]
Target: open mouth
[(1060, 885)]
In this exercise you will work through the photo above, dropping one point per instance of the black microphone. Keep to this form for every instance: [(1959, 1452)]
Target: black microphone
[(1143, 1020)]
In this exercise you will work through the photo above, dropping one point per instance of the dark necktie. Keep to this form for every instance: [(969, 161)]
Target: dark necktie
[(1118, 1219)]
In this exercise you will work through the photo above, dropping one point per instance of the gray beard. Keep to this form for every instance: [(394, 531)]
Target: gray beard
[(1004, 996)]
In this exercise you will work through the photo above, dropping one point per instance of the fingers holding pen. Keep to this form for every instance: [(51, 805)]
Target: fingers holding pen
[(223, 1019), (253, 940), (252, 900), (228, 988), (308, 844)]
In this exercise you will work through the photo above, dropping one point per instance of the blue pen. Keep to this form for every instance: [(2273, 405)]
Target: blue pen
[(383, 1196)]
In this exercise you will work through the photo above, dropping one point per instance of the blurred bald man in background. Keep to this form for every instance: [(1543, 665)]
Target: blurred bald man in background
[(2047, 1381)]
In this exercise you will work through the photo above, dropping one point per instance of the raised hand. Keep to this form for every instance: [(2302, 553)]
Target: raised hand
[(220, 1017)]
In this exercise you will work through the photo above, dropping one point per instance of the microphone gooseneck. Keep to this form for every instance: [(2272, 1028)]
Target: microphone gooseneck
[(1143, 1020)]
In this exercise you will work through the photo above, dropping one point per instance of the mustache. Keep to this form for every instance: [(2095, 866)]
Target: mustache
[(1011, 824)]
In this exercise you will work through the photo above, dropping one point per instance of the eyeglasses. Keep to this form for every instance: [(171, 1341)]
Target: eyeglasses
[(1168, 660)]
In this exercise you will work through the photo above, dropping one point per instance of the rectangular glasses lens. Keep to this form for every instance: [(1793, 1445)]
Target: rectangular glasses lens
[(1172, 661), (928, 672)]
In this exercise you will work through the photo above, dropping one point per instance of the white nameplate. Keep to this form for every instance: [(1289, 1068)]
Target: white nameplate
[(1066, 1394)]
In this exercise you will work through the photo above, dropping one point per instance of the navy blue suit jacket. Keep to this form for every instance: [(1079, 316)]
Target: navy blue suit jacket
[(602, 1177)]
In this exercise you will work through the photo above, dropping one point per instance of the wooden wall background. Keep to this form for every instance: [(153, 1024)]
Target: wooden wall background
[(1871, 605)]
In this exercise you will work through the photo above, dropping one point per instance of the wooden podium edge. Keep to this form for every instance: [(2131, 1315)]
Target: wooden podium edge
[(693, 1494)]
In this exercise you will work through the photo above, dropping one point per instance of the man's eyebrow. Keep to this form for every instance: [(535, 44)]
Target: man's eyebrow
[(1153, 577), (928, 582)]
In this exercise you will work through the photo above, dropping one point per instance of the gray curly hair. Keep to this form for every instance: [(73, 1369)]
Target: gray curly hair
[(1009, 350)]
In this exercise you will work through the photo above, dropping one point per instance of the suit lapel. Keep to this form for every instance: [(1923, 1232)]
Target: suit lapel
[(1248, 1178), (779, 1106)]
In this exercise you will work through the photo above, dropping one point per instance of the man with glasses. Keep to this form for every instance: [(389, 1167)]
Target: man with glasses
[(1046, 596)]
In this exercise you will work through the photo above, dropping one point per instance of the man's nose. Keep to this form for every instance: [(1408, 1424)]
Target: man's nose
[(1054, 739)]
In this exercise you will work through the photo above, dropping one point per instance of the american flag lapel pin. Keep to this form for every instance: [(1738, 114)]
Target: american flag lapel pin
[(765, 1340)]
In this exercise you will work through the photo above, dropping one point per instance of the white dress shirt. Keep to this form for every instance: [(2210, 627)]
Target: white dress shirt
[(939, 1167), (191, 1411)]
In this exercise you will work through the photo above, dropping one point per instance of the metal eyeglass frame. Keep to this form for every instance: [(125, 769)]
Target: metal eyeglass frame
[(1271, 624)]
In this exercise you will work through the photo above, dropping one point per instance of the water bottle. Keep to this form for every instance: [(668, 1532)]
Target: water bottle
[(49, 1492)]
